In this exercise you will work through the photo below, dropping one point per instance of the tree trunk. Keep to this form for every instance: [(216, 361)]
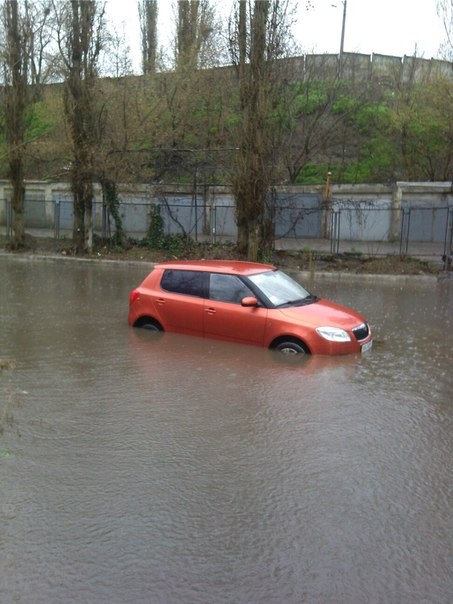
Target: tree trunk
[(241, 222), (79, 105), (251, 180), (14, 111), (254, 241), (148, 10), (267, 227), (88, 243), (78, 226), (110, 196), (17, 203)]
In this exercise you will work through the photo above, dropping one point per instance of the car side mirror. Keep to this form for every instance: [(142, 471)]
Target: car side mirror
[(249, 301)]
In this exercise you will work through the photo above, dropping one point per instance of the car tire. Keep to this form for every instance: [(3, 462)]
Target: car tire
[(150, 325), (290, 348)]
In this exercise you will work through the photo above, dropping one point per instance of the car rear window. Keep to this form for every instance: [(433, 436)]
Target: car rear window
[(183, 282)]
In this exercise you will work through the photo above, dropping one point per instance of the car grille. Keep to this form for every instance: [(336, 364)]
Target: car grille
[(361, 332)]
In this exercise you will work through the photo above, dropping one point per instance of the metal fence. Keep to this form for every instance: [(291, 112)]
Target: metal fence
[(339, 228)]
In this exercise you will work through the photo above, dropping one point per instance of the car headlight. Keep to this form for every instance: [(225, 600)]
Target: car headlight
[(333, 334)]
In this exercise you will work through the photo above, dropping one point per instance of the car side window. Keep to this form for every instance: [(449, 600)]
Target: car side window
[(189, 283), (227, 288)]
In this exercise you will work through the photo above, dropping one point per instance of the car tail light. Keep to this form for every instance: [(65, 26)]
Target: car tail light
[(134, 295)]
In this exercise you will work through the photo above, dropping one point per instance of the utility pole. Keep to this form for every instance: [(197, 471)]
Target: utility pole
[(343, 27)]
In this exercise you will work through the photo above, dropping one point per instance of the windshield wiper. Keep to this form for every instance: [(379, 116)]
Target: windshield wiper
[(299, 301)]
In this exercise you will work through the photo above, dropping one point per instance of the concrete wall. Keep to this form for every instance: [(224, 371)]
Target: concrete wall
[(358, 66), (376, 66), (361, 212)]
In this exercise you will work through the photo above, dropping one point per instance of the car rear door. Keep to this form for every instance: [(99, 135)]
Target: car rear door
[(225, 318), (180, 301)]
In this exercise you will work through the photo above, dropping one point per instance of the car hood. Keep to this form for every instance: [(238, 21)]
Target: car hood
[(323, 313)]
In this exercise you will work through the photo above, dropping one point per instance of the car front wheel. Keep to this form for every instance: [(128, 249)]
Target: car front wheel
[(291, 348)]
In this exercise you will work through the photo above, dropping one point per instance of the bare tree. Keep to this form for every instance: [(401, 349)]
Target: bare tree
[(38, 23), (26, 67), (187, 42), (445, 12), (80, 39), (148, 11), (117, 56), (195, 31), (258, 37), (16, 68)]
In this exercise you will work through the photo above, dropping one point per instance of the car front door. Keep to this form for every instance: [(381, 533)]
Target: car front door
[(225, 318)]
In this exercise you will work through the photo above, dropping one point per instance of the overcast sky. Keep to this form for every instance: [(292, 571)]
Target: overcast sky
[(393, 27)]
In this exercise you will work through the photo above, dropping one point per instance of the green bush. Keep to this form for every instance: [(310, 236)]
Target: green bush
[(174, 244)]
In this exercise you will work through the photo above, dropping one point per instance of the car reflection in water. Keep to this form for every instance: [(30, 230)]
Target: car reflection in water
[(158, 352)]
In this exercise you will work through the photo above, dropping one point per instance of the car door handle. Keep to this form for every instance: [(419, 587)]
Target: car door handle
[(160, 301), (210, 310)]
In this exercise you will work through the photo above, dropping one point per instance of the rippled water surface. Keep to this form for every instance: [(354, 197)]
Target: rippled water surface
[(176, 470)]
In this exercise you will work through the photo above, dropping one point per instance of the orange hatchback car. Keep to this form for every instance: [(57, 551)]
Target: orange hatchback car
[(245, 302)]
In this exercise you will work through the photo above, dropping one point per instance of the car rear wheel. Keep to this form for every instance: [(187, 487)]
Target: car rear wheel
[(290, 347), (149, 325)]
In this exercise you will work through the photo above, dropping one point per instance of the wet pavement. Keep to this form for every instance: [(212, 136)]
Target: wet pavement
[(172, 469)]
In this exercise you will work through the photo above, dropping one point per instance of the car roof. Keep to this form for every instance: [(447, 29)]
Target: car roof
[(233, 267)]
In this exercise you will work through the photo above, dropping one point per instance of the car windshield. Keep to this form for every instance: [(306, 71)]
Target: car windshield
[(281, 289)]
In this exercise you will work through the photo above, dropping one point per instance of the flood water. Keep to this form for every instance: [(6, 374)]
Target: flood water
[(182, 471)]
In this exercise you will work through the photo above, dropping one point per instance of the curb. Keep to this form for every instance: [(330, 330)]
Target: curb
[(306, 275)]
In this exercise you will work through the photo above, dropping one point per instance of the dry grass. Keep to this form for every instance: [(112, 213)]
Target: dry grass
[(295, 260), (6, 364), (6, 416)]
